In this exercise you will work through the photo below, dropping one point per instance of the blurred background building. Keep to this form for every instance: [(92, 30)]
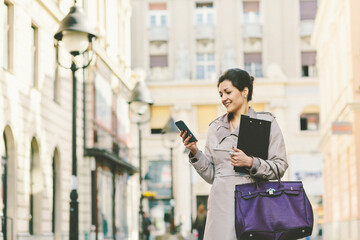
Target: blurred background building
[(179, 48), (35, 122), (337, 39), (183, 46)]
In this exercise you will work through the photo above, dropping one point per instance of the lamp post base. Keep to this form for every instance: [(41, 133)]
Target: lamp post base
[(74, 216)]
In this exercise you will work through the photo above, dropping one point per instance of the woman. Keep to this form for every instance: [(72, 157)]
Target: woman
[(200, 221), (216, 164)]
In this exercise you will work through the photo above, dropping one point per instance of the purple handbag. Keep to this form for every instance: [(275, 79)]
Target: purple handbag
[(272, 211)]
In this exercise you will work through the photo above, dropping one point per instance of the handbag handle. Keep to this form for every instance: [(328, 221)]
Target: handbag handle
[(277, 168)]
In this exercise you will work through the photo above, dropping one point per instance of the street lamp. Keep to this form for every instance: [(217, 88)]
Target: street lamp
[(170, 138), (76, 35), (140, 102)]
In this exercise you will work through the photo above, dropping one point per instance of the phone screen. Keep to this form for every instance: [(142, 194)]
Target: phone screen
[(182, 127)]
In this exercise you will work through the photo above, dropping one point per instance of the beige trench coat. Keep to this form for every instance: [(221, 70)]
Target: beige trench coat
[(214, 166)]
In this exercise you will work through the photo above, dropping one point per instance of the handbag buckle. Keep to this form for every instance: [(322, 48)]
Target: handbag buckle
[(270, 191)]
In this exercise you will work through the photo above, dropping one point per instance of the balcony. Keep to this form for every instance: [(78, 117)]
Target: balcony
[(252, 30), (158, 74), (306, 28), (204, 32), (158, 34)]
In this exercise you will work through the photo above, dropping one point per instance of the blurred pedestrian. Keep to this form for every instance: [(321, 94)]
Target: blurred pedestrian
[(146, 227), (200, 221), (216, 164)]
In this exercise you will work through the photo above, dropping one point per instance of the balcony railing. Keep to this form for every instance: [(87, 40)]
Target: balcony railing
[(306, 28), (158, 34), (159, 74), (204, 32), (252, 30)]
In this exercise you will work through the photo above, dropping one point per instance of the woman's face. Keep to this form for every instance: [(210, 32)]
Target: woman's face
[(231, 97)]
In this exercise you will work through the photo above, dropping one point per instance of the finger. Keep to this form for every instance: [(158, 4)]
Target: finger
[(236, 149), (184, 136), (188, 138)]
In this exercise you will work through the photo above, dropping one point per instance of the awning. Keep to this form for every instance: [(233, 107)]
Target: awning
[(106, 155)]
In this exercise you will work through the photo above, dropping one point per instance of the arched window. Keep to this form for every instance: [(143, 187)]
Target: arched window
[(309, 118), (56, 195), (8, 185), (36, 189)]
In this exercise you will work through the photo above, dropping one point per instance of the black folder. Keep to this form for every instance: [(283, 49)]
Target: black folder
[(253, 140)]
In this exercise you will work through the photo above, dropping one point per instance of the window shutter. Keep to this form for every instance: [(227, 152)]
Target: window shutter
[(308, 58), (308, 9), (252, 58), (158, 61), (159, 116), (157, 6), (205, 115), (251, 7)]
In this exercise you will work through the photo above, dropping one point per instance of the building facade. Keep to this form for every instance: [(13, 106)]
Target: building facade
[(182, 47), (336, 37), (36, 118)]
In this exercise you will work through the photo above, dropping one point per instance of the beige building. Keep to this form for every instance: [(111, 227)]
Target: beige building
[(183, 46), (36, 118), (337, 40)]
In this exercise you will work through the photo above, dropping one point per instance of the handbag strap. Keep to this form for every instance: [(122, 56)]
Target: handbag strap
[(277, 168)]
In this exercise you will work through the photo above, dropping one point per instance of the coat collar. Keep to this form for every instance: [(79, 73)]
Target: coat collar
[(223, 128)]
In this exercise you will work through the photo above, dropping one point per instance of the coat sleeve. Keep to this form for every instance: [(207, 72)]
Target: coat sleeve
[(203, 162), (276, 156)]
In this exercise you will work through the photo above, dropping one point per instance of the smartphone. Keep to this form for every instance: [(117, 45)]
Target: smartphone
[(182, 127)]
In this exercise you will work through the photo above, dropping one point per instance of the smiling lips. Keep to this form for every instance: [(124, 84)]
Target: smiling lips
[(227, 104)]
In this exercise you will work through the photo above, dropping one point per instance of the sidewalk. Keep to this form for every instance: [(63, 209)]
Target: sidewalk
[(169, 236)]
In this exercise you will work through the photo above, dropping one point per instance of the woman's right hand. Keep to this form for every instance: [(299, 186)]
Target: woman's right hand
[(189, 145)]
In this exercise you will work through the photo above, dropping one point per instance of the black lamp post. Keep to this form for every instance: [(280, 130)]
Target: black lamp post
[(77, 37), (140, 102), (170, 139)]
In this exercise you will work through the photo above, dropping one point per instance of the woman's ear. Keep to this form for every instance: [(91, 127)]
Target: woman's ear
[(245, 92)]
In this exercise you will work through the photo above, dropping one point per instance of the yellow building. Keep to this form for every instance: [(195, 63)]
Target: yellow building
[(337, 39)]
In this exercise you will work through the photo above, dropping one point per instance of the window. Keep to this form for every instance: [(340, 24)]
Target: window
[(253, 64), (308, 64), (105, 199), (56, 194), (309, 119), (159, 117), (56, 78), (204, 14), (7, 28), (158, 61), (3, 185), (251, 12), (308, 9), (36, 189), (34, 56), (103, 103), (121, 204), (205, 66), (205, 115), (159, 174), (158, 14)]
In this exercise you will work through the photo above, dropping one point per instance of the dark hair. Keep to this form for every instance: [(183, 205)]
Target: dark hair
[(239, 79)]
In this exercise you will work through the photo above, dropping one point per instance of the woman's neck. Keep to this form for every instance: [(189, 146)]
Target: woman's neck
[(236, 116), (244, 110)]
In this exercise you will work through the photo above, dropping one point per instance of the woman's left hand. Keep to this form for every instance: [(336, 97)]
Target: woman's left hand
[(240, 159)]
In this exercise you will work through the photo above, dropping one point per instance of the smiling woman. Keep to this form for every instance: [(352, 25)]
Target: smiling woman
[(216, 164)]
